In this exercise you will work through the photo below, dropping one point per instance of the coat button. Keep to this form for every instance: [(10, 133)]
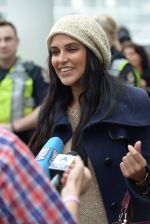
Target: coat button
[(114, 205), (108, 161)]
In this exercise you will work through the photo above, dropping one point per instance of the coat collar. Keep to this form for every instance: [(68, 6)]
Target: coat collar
[(132, 110)]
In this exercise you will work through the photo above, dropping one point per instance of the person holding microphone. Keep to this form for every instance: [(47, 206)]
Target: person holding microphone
[(26, 193)]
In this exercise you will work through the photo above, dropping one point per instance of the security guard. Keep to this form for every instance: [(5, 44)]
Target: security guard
[(124, 71), (23, 85)]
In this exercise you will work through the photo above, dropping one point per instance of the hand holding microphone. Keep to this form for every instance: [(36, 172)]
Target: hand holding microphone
[(73, 177), (51, 151), (59, 165), (66, 170), (69, 171), (77, 178)]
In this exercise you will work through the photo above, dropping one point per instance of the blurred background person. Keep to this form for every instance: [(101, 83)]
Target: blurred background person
[(28, 196), (124, 36), (137, 56), (119, 67), (23, 85)]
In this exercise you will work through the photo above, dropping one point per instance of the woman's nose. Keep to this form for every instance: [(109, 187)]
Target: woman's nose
[(63, 58)]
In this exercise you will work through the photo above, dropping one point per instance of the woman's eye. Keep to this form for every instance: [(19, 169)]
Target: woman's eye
[(73, 49), (54, 53)]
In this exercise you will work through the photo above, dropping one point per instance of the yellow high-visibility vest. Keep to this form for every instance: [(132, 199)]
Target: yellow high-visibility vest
[(16, 91), (118, 65)]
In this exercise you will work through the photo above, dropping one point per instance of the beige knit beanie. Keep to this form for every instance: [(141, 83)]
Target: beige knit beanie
[(87, 31)]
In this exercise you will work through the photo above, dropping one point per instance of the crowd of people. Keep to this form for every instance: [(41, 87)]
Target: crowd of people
[(88, 98)]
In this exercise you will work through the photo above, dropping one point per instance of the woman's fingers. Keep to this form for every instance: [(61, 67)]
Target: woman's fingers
[(133, 163)]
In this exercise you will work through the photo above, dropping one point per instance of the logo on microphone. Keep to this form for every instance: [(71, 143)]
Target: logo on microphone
[(42, 153), (62, 162)]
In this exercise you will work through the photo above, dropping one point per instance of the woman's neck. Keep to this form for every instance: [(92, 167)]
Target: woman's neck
[(76, 92)]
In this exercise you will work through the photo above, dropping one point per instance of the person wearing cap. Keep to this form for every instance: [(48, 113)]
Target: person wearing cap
[(106, 122)]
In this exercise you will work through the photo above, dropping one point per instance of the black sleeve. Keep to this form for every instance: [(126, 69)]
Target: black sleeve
[(40, 84)]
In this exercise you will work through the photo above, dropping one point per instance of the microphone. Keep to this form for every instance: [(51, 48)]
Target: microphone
[(48, 153), (60, 164)]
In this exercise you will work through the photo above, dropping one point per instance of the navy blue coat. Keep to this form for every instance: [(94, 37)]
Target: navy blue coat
[(105, 141)]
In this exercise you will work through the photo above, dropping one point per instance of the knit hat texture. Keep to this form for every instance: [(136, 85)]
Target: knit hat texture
[(87, 31)]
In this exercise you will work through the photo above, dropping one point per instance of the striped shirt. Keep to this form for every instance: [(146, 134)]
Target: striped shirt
[(26, 194)]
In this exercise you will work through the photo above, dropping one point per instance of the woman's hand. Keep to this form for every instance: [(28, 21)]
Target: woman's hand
[(133, 163), (76, 180)]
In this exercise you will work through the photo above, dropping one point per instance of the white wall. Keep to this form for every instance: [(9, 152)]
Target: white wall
[(33, 19)]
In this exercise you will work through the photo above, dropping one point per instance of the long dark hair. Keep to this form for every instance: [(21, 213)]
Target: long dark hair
[(100, 90)]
